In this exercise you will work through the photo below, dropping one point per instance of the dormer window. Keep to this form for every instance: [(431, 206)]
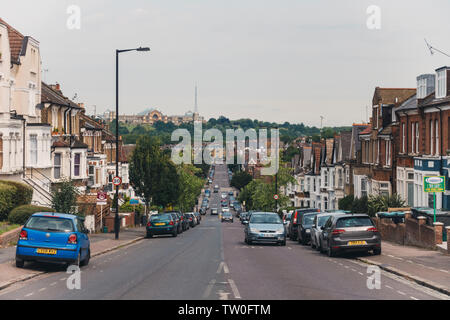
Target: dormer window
[(441, 83), (421, 88)]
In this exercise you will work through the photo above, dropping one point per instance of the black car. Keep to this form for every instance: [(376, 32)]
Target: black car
[(202, 211), (162, 223), (304, 228), (295, 221)]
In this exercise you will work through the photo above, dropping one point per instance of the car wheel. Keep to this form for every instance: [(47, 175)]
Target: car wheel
[(148, 235), (85, 262), (330, 252), (174, 233), (283, 243), (313, 246), (249, 241), (377, 251), (20, 263)]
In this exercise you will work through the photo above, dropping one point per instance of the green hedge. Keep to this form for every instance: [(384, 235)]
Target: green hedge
[(13, 194), (21, 214)]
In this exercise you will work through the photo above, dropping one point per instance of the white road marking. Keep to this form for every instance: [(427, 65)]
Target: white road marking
[(234, 289), (29, 295), (42, 289), (402, 293), (389, 287), (62, 279), (446, 271), (208, 289), (361, 273), (223, 266), (223, 295), (53, 283), (413, 298)]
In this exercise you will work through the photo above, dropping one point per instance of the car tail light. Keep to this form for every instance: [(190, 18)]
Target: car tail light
[(190, 219), (338, 231), (72, 239), (373, 229), (149, 224), (171, 223), (23, 235)]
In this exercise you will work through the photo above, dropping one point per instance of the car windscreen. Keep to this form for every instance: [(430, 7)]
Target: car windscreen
[(349, 222), (322, 220), (50, 224), (226, 214), (159, 217), (265, 218), (308, 219)]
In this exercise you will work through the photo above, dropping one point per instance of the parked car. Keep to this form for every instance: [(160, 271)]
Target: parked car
[(224, 195), (191, 219), (295, 220), (304, 228), (214, 211), (198, 217), (265, 227), (207, 193), (350, 232), (243, 217), (202, 211), (227, 216), (53, 237), (287, 221), (178, 221), (231, 193), (162, 223), (184, 221), (316, 229), (216, 188)]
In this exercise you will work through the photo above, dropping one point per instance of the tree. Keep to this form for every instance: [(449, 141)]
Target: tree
[(346, 203), (190, 186), (152, 174), (241, 179), (64, 197)]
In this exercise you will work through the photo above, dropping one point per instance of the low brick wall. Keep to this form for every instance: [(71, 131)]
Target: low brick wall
[(391, 231), (10, 236), (412, 232)]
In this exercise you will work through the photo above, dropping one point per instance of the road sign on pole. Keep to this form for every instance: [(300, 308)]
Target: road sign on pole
[(276, 197), (117, 181), (433, 185), (102, 198)]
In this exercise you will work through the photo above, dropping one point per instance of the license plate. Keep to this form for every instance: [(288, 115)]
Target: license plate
[(46, 251), (160, 224), (357, 243), (267, 235)]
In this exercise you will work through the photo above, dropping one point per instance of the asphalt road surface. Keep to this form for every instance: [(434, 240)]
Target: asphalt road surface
[(210, 262)]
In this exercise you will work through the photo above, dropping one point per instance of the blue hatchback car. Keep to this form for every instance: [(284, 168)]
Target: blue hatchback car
[(53, 237)]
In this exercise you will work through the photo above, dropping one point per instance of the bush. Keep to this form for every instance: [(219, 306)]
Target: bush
[(346, 203), (13, 194), (359, 205), (383, 203), (21, 214)]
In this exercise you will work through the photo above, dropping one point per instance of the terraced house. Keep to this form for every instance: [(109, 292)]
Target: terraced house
[(25, 140)]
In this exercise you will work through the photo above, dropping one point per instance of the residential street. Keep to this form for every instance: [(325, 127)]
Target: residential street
[(212, 262)]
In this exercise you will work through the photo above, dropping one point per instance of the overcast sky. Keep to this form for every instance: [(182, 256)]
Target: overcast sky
[(285, 60)]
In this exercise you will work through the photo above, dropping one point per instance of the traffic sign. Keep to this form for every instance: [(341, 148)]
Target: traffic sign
[(117, 181), (276, 197), (434, 184), (102, 198), (134, 201)]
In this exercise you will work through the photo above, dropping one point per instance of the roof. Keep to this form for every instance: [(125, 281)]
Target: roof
[(50, 95), (367, 130), (77, 144), (408, 104), (16, 42), (57, 215), (391, 95), (60, 144)]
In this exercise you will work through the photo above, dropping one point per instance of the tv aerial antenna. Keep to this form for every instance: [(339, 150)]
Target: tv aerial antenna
[(433, 49)]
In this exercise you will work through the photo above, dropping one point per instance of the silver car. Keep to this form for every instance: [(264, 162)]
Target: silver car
[(265, 227), (316, 230), (287, 220)]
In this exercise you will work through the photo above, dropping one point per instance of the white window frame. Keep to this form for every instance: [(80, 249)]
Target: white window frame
[(33, 149), (413, 134), (436, 125), (441, 84), (417, 137), (431, 137), (403, 138)]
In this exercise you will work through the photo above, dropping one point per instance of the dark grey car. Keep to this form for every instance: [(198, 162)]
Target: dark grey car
[(265, 227), (350, 232)]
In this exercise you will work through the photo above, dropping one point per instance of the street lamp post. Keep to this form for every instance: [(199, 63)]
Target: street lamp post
[(116, 218)]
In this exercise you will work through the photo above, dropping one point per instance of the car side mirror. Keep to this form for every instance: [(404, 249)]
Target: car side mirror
[(245, 222)]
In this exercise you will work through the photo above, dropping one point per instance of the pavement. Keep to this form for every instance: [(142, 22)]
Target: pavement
[(212, 262), (100, 244)]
